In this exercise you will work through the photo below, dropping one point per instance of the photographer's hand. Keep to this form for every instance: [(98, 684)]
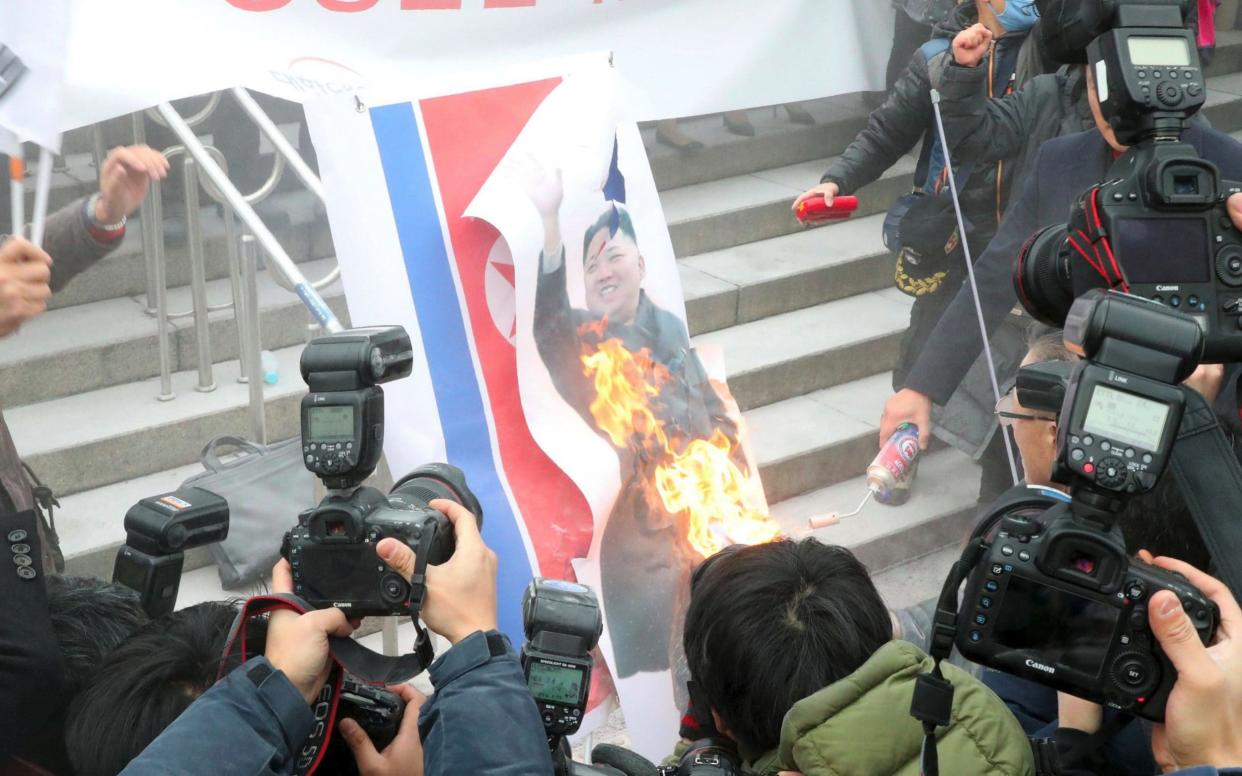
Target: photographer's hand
[(1206, 379), (461, 592), (828, 191), (971, 45), (402, 757), (298, 644), (1203, 718), (907, 405)]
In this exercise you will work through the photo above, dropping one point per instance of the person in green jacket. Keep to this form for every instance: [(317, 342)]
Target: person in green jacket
[(792, 648)]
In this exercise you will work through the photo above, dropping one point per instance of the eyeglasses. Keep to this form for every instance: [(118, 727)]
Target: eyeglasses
[(1007, 414)]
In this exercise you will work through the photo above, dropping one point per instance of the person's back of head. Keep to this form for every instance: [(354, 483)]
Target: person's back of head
[(771, 624), (145, 683), (89, 618)]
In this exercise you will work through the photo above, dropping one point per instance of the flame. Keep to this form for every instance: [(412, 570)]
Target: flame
[(698, 479)]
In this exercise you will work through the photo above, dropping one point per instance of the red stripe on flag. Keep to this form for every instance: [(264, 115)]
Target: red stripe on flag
[(468, 135)]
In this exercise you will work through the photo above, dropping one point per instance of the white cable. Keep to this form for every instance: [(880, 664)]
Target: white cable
[(970, 274)]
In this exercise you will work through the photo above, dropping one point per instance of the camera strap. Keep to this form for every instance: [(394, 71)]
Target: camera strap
[(347, 655), (1210, 478)]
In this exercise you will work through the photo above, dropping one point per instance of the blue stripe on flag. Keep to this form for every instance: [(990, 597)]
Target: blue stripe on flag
[(467, 437)]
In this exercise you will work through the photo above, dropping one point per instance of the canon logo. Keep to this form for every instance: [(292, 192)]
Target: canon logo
[(1168, 288), (1040, 667), (342, 604)]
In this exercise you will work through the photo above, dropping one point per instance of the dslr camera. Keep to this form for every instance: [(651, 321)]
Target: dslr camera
[(1158, 226), (332, 548), (1051, 593)]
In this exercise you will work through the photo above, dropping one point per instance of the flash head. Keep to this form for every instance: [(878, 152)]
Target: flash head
[(357, 358)]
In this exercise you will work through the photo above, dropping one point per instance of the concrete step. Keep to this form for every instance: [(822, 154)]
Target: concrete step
[(917, 580), (778, 141), (794, 353), (295, 218), (752, 281), (819, 438), (940, 511), (76, 443), (746, 208), (111, 342)]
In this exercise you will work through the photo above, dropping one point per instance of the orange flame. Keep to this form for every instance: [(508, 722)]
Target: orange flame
[(698, 479)]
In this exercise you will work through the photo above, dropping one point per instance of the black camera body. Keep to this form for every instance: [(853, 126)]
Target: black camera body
[(1158, 226), (332, 548), (158, 531), (1064, 606), (1052, 594)]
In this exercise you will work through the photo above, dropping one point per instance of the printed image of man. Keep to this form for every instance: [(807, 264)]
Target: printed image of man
[(645, 559)]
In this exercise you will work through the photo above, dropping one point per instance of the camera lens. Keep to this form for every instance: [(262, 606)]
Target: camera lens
[(438, 480), (1041, 277)]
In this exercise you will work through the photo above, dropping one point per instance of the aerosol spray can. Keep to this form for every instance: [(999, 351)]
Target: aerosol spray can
[(889, 475)]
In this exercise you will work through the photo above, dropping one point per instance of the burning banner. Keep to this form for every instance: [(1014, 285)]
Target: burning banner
[(613, 390)]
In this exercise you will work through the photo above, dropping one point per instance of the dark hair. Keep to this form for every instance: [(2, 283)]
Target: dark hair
[(90, 617), (772, 624), (615, 219), (146, 683)]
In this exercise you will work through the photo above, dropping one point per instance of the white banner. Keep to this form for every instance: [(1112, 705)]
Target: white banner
[(674, 58)]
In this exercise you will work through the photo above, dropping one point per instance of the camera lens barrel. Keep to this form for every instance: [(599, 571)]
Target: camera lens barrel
[(1041, 276)]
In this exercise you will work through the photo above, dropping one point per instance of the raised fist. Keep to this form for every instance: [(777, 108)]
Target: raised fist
[(971, 45)]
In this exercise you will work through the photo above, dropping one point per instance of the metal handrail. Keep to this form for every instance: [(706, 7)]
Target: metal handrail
[(277, 256)]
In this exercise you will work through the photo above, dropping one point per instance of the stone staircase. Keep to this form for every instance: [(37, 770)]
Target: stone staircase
[(808, 321)]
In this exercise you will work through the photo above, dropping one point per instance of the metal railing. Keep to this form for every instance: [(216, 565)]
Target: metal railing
[(204, 169)]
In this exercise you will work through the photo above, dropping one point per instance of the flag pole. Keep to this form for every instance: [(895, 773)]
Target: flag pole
[(43, 185)]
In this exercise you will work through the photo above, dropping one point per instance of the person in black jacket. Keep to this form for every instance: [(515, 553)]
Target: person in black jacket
[(933, 273), (1062, 171)]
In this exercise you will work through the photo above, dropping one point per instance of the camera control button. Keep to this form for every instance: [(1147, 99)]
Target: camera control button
[(1147, 458), (992, 587), (1077, 454), (981, 619), (1138, 618), (1088, 440), (1157, 74), (1175, 301), (1106, 446), (1141, 73), (997, 570), (1194, 90), (985, 603), (1129, 452), (26, 572), (976, 636), (1088, 468), (17, 536), (1192, 300), (1024, 555), (1136, 590), (1006, 550)]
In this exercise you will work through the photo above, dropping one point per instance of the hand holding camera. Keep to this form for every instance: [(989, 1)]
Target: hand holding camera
[(461, 592), (298, 644), (404, 755), (1204, 711)]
